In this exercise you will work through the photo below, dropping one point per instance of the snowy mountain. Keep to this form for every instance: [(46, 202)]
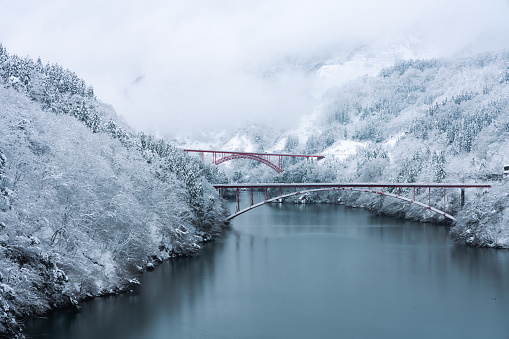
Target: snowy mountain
[(418, 120), (85, 204)]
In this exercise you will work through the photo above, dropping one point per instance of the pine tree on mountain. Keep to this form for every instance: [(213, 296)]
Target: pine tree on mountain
[(4, 202), (438, 163)]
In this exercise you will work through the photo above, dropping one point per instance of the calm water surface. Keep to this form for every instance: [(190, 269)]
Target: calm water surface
[(309, 271)]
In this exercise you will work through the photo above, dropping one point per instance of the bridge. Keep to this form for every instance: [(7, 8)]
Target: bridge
[(375, 188), (273, 160)]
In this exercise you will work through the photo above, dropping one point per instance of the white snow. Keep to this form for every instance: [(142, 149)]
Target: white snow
[(343, 149)]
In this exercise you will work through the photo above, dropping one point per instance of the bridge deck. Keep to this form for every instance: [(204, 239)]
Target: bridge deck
[(258, 154), (353, 185)]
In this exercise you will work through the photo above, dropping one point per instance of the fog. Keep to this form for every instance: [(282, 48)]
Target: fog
[(180, 66)]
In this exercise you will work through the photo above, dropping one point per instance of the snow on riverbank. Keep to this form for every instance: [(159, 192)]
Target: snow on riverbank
[(417, 121), (85, 204)]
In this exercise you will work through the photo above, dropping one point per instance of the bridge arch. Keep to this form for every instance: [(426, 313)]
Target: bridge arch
[(219, 157), (433, 209), (251, 157)]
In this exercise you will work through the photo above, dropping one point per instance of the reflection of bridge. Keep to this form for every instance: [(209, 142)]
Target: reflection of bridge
[(219, 157), (377, 188)]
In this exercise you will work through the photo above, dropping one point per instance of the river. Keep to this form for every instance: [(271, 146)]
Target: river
[(309, 271)]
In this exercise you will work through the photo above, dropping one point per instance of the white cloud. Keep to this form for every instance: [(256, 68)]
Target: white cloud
[(198, 60)]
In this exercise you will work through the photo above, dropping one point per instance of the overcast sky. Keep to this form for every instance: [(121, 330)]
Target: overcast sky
[(193, 64)]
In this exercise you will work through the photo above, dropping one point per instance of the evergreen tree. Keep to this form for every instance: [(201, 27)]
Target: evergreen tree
[(438, 164), (292, 142)]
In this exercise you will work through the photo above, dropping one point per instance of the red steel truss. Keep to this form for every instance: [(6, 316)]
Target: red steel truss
[(273, 160)]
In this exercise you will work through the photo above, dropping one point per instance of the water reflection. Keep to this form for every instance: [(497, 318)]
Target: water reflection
[(302, 271)]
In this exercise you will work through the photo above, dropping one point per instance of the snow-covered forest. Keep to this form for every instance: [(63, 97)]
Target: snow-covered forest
[(437, 120), (86, 204)]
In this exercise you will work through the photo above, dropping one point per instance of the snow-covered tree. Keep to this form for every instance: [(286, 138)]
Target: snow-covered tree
[(85, 205)]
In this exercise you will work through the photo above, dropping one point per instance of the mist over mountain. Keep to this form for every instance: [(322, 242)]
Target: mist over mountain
[(168, 67), (418, 120), (84, 196)]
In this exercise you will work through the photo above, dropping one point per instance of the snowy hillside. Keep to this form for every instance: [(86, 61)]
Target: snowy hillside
[(432, 120), (85, 204)]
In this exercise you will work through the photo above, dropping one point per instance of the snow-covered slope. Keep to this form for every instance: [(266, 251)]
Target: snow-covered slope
[(419, 120), (85, 205), (368, 60)]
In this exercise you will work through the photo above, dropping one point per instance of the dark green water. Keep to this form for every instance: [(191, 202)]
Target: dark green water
[(315, 271)]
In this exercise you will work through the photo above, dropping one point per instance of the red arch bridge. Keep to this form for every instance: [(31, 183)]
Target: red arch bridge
[(273, 160), (376, 188)]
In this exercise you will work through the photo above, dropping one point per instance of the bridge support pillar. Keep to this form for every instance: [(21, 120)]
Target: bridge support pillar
[(429, 196), (445, 200), (252, 201), (237, 200), (462, 198)]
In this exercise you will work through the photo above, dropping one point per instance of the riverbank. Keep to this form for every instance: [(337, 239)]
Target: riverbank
[(189, 244), (482, 222), (309, 270), (82, 213)]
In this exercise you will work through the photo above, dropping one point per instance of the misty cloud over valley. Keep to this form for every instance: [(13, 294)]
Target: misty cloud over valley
[(171, 67)]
